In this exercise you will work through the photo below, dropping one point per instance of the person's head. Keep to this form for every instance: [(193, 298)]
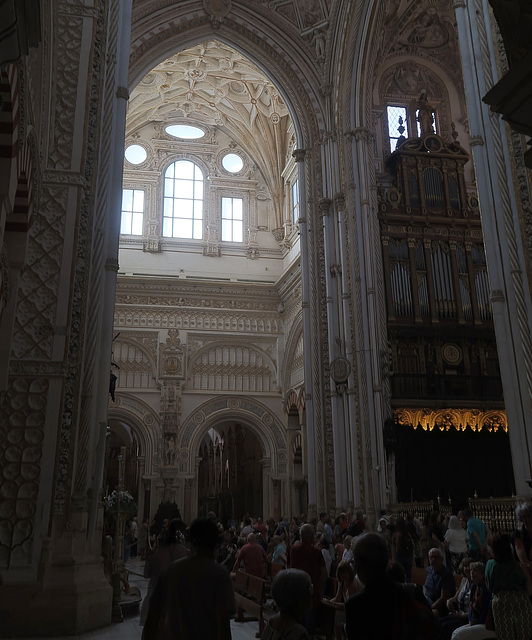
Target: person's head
[(467, 513), (348, 542), (502, 547), (395, 571), (306, 533), (359, 515), (324, 541), (463, 567), (384, 522), (454, 523), (323, 516), (371, 557), (292, 592), (345, 573), (204, 534), (174, 529), (436, 559), (276, 540), (523, 514), (477, 572), (252, 537)]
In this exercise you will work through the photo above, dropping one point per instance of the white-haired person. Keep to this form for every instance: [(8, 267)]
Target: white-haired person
[(440, 584), (292, 592)]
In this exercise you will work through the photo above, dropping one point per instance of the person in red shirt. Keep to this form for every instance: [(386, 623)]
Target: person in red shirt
[(307, 557), (261, 528), (253, 557)]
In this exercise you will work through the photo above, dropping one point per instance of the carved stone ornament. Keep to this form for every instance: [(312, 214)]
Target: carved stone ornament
[(452, 354), (217, 10), (340, 369), (172, 357)]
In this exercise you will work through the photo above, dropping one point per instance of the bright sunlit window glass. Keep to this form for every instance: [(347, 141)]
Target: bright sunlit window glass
[(183, 201), (135, 154), (132, 212), (232, 220), (232, 162), (295, 201), (394, 113), (185, 131)]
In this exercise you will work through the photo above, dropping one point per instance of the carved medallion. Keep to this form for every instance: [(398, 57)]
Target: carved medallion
[(340, 369)]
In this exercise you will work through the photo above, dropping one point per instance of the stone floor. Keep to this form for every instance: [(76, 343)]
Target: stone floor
[(129, 629)]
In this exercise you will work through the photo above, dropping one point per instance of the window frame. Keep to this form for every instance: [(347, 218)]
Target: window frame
[(295, 204), (132, 212), (196, 221), (232, 219)]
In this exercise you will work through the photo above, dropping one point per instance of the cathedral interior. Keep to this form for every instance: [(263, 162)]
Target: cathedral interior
[(257, 256)]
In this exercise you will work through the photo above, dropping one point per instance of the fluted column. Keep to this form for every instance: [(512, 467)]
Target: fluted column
[(371, 332), (299, 155), (507, 267)]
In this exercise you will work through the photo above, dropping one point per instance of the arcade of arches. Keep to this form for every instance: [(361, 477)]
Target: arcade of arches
[(293, 234)]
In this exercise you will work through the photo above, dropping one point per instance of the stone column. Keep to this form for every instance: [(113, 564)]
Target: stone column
[(507, 267), (371, 334), (299, 155)]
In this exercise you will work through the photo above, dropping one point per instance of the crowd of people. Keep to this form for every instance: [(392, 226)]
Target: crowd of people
[(476, 584)]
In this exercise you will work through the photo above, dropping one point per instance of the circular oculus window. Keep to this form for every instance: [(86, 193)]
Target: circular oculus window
[(232, 162), (185, 131), (135, 154)]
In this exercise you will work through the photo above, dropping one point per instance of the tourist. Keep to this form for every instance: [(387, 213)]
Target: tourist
[(456, 542), (510, 588), (170, 548), (477, 533), (305, 556), (292, 593), (195, 598), (522, 536), (252, 558), (440, 584)]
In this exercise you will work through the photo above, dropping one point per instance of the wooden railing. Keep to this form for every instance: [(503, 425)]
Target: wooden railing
[(497, 513)]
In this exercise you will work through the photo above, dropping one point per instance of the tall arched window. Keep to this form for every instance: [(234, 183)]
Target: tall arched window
[(183, 201)]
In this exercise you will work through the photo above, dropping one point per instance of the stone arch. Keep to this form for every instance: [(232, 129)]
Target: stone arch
[(293, 345), (144, 421), (125, 340), (228, 345), (253, 414), (296, 79)]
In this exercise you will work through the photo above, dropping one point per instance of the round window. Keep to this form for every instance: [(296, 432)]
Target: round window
[(185, 131), (136, 154), (232, 162)]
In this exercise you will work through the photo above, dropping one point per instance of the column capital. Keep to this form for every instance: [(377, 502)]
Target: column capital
[(299, 155), (324, 206), (339, 201)]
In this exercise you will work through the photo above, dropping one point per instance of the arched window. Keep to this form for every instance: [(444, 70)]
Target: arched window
[(183, 201)]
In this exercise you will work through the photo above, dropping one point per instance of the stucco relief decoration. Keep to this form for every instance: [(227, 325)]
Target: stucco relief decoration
[(217, 10), (425, 30), (267, 419), (411, 79), (172, 357), (199, 417), (170, 449), (21, 434)]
